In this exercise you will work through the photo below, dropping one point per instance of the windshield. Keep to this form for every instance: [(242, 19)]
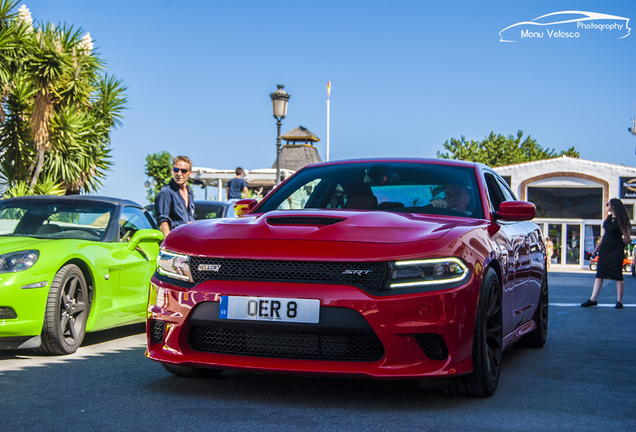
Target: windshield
[(58, 221), (396, 187)]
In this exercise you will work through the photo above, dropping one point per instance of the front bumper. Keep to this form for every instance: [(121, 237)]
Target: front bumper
[(404, 326), (29, 305)]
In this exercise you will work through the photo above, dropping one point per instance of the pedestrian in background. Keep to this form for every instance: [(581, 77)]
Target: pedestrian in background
[(617, 235), (549, 250), (236, 186), (174, 204)]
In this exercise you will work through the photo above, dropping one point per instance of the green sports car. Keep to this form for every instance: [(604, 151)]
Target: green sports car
[(70, 265)]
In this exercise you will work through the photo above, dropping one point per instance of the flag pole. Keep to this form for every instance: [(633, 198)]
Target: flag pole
[(328, 97)]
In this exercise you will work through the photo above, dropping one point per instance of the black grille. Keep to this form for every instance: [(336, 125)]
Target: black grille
[(158, 329), (303, 220), (433, 345), (292, 345), (364, 275)]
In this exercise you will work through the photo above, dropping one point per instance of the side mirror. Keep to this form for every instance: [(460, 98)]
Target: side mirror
[(144, 235), (516, 211), (244, 206)]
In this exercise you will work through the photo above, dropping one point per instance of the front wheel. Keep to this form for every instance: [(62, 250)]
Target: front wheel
[(487, 344), (593, 265), (66, 312), (627, 268)]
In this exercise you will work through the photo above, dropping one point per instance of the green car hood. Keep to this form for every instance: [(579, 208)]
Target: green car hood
[(15, 244)]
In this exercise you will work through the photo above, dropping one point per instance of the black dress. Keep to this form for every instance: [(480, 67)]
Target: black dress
[(610, 254)]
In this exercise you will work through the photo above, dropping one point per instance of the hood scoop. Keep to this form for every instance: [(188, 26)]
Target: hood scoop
[(303, 220)]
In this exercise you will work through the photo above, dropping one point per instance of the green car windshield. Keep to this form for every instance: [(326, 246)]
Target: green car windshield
[(55, 221)]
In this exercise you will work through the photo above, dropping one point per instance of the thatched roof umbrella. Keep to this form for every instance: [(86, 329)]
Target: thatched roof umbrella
[(294, 155)]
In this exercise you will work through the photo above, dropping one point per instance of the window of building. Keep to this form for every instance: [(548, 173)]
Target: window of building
[(567, 203)]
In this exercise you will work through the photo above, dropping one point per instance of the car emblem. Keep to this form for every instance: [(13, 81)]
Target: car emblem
[(210, 267), (357, 272)]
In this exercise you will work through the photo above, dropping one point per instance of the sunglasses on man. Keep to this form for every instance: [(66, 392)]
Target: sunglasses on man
[(181, 170)]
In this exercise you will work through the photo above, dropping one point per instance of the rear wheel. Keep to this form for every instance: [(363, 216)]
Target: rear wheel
[(66, 312), (487, 344), (593, 265), (183, 371), (627, 268)]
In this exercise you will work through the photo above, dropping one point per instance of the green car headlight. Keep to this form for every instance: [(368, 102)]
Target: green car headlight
[(18, 261), (437, 273), (174, 265)]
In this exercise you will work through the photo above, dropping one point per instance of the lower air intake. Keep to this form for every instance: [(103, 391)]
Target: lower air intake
[(433, 345)]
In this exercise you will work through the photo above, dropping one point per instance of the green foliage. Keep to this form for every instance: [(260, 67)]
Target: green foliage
[(498, 150), (58, 106), (159, 168), (47, 186)]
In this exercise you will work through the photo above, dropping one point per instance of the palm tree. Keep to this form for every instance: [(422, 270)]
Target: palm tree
[(59, 107)]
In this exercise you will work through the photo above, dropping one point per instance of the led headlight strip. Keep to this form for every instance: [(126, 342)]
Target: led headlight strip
[(437, 271)]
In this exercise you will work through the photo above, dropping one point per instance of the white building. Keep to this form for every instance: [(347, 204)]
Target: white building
[(570, 195)]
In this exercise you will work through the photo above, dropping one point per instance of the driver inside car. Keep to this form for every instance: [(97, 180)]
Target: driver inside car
[(456, 197)]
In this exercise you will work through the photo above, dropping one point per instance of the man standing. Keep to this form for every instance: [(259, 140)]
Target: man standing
[(236, 186), (174, 204)]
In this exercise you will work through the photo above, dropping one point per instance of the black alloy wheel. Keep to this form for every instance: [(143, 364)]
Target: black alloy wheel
[(487, 345), (66, 312)]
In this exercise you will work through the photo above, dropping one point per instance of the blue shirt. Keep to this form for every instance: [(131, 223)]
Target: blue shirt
[(171, 207), (235, 187)]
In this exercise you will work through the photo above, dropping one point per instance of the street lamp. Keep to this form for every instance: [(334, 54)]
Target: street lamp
[(279, 103)]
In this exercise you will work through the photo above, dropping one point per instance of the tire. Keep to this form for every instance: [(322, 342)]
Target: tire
[(627, 268), (487, 344), (537, 337), (593, 265), (188, 372), (67, 309)]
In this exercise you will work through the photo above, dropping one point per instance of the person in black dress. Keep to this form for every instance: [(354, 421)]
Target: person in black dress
[(610, 252)]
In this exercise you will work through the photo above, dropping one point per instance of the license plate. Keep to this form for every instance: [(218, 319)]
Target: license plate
[(269, 309)]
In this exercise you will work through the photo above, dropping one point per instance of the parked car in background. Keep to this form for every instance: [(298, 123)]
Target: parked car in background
[(628, 264), (207, 209), (383, 268), (70, 265)]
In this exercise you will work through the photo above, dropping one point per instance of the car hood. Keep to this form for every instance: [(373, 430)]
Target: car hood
[(11, 244), (350, 226)]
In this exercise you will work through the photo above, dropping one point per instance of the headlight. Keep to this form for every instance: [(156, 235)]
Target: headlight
[(18, 261), (174, 265), (438, 273)]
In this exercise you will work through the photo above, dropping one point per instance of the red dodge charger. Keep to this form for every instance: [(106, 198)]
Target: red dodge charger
[(384, 268)]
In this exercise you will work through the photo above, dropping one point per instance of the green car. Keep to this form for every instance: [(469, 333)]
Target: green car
[(70, 265)]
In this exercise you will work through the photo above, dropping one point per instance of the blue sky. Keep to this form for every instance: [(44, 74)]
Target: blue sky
[(406, 77)]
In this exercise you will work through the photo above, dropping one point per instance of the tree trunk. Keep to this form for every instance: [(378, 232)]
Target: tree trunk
[(38, 169)]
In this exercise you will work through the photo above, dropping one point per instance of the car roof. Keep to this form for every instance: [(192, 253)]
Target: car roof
[(428, 161), (71, 199)]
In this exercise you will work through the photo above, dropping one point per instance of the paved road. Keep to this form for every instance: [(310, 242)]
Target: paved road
[(584, 380)]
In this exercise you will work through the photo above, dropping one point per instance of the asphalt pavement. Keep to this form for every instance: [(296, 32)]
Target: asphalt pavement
[(584, 379)]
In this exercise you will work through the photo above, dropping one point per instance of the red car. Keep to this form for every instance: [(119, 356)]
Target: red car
[(384, 268)]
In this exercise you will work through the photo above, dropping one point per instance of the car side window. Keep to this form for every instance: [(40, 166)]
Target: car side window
[(494, 192), (506, 190), (131, 220)]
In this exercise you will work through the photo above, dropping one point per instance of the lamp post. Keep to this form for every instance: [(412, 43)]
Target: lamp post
[(280, 98)]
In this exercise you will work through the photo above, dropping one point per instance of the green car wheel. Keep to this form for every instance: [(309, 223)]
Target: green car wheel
[(66, 312)]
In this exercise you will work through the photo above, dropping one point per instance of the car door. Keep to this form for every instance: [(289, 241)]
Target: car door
[(514, 244), (137, 265)]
